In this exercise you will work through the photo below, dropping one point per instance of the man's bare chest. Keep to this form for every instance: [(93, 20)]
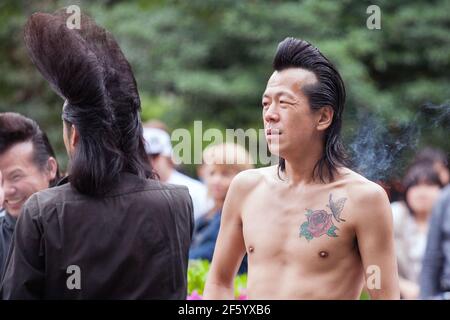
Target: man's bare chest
[(315, 227)]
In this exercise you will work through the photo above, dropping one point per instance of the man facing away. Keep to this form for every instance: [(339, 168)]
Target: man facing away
[(107, 231), (312, 228)]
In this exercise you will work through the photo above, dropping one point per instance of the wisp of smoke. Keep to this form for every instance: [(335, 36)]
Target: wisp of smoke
[(377, 150)]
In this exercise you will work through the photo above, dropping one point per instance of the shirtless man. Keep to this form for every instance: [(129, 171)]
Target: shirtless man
[(312, 228)]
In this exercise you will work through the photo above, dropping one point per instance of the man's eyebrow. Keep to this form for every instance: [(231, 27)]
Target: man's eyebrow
[(286, 93), (14, 172)]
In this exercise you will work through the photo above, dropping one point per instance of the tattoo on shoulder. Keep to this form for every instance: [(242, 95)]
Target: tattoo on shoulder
[(320, 222)]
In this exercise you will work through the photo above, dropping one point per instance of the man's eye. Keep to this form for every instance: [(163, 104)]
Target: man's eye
[(285, 104)]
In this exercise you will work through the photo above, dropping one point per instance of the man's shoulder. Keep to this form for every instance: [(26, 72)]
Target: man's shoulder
[(148, 190), (170, 187), (361, 187), (42, 201), (46, 200), (365, 194), (249, 179)]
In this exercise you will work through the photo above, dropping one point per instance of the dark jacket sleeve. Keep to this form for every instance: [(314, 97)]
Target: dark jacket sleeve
[(25, 271), (434, 257)]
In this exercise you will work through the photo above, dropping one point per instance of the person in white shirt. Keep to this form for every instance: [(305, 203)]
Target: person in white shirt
[(411, 218), (159, 150)]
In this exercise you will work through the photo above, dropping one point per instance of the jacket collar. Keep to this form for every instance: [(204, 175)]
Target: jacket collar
[(127, 181), (10, 221), (63, 180)]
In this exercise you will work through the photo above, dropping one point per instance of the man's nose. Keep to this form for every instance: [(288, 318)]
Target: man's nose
[(9, 190), (271, 114)]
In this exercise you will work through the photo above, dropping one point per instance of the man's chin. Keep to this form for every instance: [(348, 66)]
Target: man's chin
[(13, 211), (275, 150), (273, 147)]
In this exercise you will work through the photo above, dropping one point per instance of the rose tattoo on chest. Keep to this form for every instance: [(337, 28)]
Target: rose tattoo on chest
[(320, 222)]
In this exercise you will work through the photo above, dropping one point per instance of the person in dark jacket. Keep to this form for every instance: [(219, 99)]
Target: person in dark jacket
[(435, 275), (27, 165), (109, 230)]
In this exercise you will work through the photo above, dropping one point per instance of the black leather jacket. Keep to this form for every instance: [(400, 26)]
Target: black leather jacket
[(132, 243)]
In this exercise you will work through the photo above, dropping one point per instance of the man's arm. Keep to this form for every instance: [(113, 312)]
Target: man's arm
[(375, 236), (230, 246)]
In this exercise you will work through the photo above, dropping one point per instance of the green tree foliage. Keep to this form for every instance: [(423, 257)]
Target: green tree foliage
[(210, 60)]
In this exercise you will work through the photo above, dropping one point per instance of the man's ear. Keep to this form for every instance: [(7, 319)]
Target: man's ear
[(325, 118), (74, 137), (52, 167)]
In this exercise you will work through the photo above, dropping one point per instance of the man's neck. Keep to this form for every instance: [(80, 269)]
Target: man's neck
[(300, 169)]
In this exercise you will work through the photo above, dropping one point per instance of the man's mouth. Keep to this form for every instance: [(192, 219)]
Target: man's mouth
[(14, 202), (272, 131)]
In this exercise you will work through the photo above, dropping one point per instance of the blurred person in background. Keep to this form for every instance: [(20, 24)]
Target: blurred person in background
[(159, 151), (411, 219), (221, 163), (27, 165), (437, 159), (435, 275)]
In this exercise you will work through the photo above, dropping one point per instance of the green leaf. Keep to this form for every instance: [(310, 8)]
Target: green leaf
[(304, 231), (331, 232), (309, 236)]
